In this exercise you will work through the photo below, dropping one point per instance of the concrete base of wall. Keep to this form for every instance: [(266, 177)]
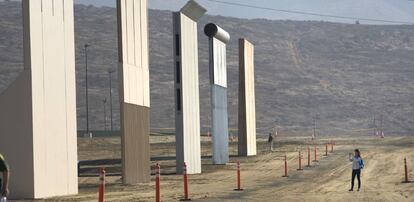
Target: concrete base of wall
[(135, 143), (220, 135)]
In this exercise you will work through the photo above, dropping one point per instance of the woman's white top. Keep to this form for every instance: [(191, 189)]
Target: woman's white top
[(356, 162)]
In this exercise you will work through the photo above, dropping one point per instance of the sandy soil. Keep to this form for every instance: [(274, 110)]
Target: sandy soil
[(326, 180)]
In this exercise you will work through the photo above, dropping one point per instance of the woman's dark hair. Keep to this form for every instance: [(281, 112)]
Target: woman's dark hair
[(358, 153)]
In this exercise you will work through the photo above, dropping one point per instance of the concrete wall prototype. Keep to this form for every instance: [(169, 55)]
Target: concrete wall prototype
[(247, 102), (38, 110), (187, 103), (218, 38), (134, 90)]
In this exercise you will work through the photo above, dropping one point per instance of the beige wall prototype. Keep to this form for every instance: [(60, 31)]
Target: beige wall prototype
[(38, 111), (187, 103), (247, 109), (134, 89)]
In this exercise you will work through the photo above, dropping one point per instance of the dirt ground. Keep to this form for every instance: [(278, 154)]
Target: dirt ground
[(326, 180)]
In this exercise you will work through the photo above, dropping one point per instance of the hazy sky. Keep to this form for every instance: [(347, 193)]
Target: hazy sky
[(397, 10)]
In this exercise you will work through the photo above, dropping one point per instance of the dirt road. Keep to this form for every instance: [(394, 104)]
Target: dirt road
[(326, 180)]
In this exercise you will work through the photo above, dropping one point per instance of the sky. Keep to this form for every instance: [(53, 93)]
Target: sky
[(391, 10)]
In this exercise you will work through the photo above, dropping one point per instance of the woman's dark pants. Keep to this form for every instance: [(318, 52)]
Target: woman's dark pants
[(356, 173)]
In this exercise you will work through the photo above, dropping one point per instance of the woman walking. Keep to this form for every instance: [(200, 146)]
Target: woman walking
[(357, 165), (270, 142)]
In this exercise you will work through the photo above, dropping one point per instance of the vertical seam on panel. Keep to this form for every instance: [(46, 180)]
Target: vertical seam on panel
[(133, 31), (66, 95), (53, 7), (126, 62), (248, 98), (63, 10), (248, 75), (43, 57), (127, 49), (126, 29), (221, 64), (195, 120), (224, 67), (143, 73), (143, 54), (43, 75), (244, 98)]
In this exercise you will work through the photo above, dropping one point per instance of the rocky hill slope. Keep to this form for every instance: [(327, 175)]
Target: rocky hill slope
[(342, 74)]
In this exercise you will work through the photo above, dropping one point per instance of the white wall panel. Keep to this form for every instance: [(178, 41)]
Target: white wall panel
[(133, 42), (187, 103), (53, 97), (134, 89), (247, 108), (190, 103), (49, 79), (220, 63)]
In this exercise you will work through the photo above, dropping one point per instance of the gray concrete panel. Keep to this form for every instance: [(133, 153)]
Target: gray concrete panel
[(220, 125)]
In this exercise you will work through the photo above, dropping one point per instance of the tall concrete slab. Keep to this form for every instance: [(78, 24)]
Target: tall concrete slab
[(38, 110), (134, 90), (187, 103), (218, 38), (247, 102)]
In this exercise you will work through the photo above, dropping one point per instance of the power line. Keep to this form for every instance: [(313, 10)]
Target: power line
[(310, 13)]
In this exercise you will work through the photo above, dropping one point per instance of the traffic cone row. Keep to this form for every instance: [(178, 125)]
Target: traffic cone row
[(101, 195), (309, 158)]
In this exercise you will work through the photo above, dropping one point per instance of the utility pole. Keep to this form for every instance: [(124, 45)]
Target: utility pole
[(314, 128), (375, 127), (276, 128), (110, 96), (208, 126), (86, 86), (104, 106), (382, 119)]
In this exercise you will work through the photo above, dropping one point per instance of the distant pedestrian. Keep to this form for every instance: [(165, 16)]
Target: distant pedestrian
[(270, 141), (357, 166), (4, 169)]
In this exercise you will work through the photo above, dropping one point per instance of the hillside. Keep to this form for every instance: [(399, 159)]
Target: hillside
[(344, 74)]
